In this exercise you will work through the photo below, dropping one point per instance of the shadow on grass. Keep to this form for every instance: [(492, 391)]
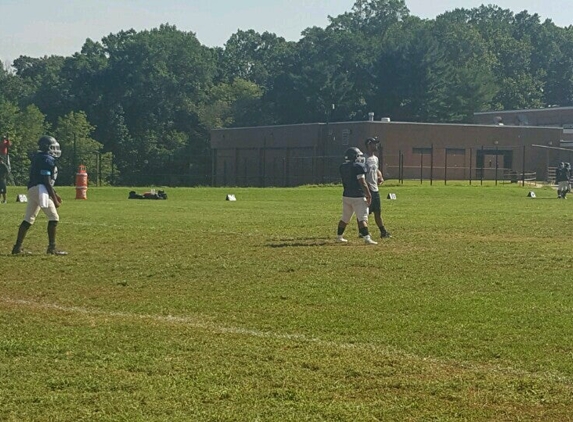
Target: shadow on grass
[(301, 242)]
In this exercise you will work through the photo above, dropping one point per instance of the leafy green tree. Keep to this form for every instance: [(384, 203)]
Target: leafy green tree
[(24, 128), (8, 113), (232, 104), (473, 84), (365, 31), (118, 142), (88, 78), (371, 18), (73, 132), (159, 77), (519, 84), (12, 87), (47, 89), (415, 80), (324, 72), (254, 57), (257, 59), (553, 50)]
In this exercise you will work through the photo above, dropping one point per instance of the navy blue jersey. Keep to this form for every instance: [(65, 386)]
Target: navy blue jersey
[(562, 174), (349, 172), (43, 165)]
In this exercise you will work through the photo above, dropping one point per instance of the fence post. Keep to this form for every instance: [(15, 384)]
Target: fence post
[(432, 165), (471, 161), (225, 173), (421, 167), (446, 167), (237, 164), (399, 166), (402, 159), (314, 159), (482, 162), (496, 164), (523, 168), (213, 167)]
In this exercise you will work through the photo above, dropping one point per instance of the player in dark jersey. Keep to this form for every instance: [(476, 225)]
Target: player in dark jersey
[(356, 196), (562, 175), (41, 194)]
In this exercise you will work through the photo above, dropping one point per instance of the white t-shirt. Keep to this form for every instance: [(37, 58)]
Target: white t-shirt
[(372, 175)]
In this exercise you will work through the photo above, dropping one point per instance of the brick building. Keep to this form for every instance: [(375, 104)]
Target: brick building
[(561, 117), (293, 155)]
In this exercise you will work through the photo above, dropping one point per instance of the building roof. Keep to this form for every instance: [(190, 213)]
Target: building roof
[(526, 110)]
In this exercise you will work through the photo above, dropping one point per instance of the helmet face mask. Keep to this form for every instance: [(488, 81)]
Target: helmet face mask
[(49, 145)]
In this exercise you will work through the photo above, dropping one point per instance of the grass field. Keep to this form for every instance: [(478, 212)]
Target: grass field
[(201, 309)]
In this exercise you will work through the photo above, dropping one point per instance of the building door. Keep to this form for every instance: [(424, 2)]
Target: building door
[(454, 164), (493, 163)]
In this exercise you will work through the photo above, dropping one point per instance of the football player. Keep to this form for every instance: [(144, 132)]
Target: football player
[(41, 194), (562, 178), (356, 196)]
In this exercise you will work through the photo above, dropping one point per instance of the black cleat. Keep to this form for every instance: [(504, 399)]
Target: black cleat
[(19, 251), (385, 235)]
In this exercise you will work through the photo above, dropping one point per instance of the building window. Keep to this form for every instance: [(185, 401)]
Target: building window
[(422, 150), (455, 151), (345, 136)]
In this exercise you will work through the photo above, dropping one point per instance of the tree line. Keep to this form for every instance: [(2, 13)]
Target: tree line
[(138, 106)]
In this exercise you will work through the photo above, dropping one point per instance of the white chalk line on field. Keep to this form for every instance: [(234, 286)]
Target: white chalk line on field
[(189, 321), (220, 329), (91, 224)]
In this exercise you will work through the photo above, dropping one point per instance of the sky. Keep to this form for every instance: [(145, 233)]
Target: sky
[(38, 28)]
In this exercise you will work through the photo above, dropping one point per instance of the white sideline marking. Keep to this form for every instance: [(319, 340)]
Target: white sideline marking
[(89, 223), (214, 328), (192, 322)]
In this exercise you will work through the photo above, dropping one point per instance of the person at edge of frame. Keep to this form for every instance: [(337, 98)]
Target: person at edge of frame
[(356, 196), (4, 172), (5, 144), (568, 167), (41, 194)]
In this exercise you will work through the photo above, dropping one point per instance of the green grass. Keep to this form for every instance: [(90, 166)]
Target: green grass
[(201, 309)]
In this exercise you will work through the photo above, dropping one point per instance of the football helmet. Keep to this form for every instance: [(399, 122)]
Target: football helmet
[(371, 141), (49, 145), (354, 155)]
